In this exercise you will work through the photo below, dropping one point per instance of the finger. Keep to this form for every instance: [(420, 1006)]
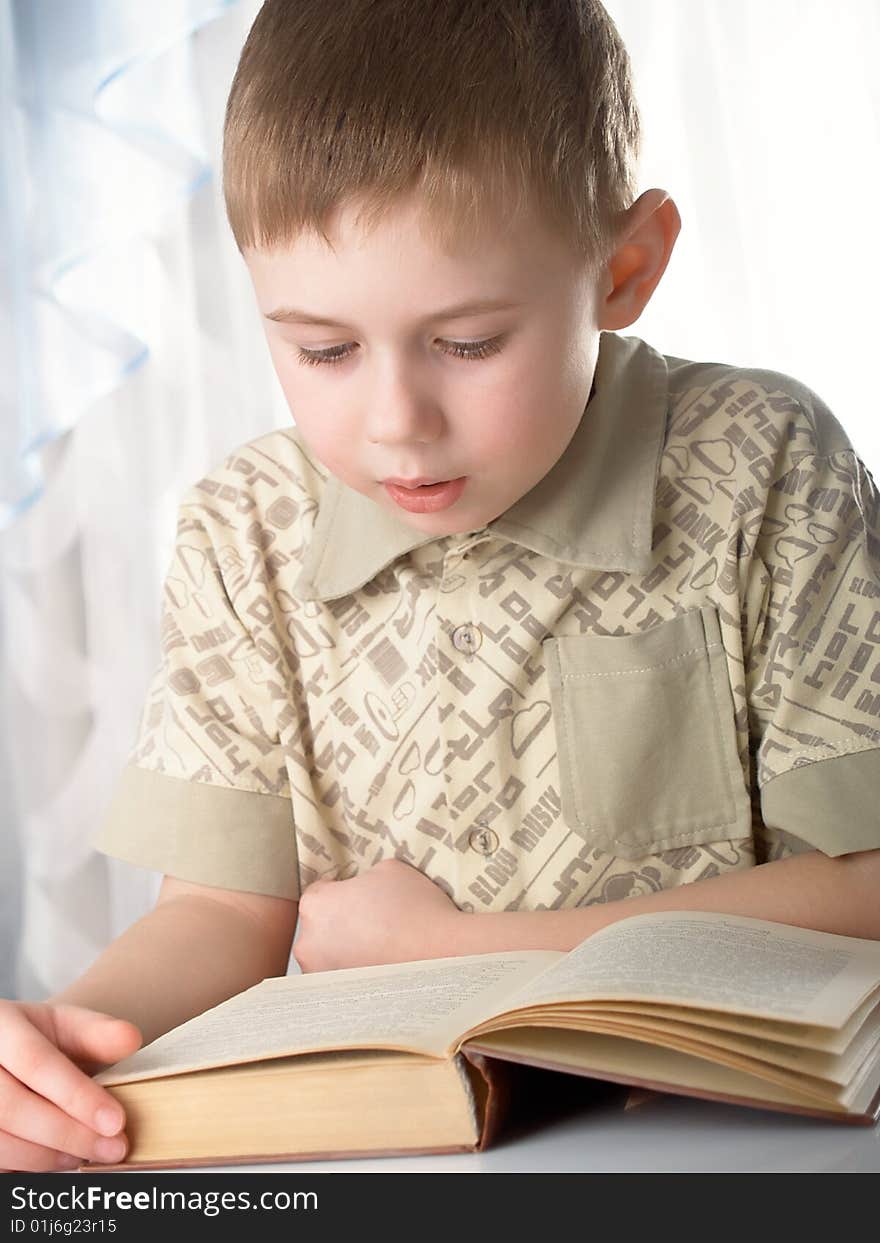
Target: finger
[(303, 958), (87, 1035), (35, 1060), (18, 1154), (36, 1124)]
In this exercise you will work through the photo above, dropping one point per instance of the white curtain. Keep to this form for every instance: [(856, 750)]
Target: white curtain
[(140, 363), (131, 357)]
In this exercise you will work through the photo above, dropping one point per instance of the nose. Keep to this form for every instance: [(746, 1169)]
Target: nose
[(401, 409)]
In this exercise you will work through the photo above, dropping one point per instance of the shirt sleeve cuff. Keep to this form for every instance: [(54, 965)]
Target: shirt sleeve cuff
[(829, 804), (211, 835)]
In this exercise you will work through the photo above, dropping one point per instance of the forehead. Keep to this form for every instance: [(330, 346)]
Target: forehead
[(515, 257)]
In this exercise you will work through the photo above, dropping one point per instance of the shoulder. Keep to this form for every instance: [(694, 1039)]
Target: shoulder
[(271, 483), (767, 420), (252, 517)]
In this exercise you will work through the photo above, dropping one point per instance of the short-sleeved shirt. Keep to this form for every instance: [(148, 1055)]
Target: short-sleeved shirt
[(660, 664)]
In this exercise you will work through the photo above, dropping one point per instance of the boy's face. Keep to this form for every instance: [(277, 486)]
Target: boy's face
[(399, 402)]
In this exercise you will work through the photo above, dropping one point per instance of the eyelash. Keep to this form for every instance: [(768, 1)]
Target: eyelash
[(469, 351)]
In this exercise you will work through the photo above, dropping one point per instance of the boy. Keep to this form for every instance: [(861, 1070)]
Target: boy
[(524, 627)]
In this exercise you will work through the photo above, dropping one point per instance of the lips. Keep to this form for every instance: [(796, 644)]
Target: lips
[(413, 483), (426, 498)]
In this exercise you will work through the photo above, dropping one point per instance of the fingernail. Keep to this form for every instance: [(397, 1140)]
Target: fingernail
[(69, 1163), (110, 1149), (108, 1121)]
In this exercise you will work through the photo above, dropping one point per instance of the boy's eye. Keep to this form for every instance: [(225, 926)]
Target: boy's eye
[(470, 350)]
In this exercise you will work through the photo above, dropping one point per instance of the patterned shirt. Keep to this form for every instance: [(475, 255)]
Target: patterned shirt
[(660, 664)]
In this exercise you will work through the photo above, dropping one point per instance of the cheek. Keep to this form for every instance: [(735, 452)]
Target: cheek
[(327, 431), (533, 399), (524, 415), (333, 443), (326, 439), (290, 378)]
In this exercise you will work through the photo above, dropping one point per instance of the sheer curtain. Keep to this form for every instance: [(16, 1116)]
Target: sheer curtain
[(139, 364), (131, 358)]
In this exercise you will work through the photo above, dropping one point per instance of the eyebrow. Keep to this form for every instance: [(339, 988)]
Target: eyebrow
[(290, 315)]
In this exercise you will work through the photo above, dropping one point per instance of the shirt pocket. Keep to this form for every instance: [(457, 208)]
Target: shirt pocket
[(646, 737)]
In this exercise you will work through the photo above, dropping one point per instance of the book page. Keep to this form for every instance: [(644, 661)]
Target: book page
[(724, 962), (787, 1035), (417, 1006), (650, 1066)]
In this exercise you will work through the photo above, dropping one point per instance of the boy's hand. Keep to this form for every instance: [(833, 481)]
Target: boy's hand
[(48, 1103), (390, 913)]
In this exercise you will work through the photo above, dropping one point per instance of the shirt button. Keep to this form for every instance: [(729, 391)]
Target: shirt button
[(483, 841), (467, 638)]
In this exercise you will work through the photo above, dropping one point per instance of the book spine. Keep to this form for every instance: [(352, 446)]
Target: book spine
[(492, 1084)]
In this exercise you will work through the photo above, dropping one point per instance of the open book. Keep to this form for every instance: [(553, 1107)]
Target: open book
[(416, 1057)]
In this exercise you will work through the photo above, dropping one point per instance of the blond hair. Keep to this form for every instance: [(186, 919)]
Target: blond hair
[(484, 107)]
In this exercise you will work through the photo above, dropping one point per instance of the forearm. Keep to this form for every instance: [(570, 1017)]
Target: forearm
[(811, 890), (183, 957)]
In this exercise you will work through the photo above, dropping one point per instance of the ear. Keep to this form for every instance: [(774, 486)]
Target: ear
[(648, 233)]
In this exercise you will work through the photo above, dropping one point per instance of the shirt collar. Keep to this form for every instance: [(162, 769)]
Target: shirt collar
[(594, 508)]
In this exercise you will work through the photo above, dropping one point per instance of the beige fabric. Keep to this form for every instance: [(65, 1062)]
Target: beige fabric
[(165, 821), (834, 803), (674, 676), (617, 686)]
